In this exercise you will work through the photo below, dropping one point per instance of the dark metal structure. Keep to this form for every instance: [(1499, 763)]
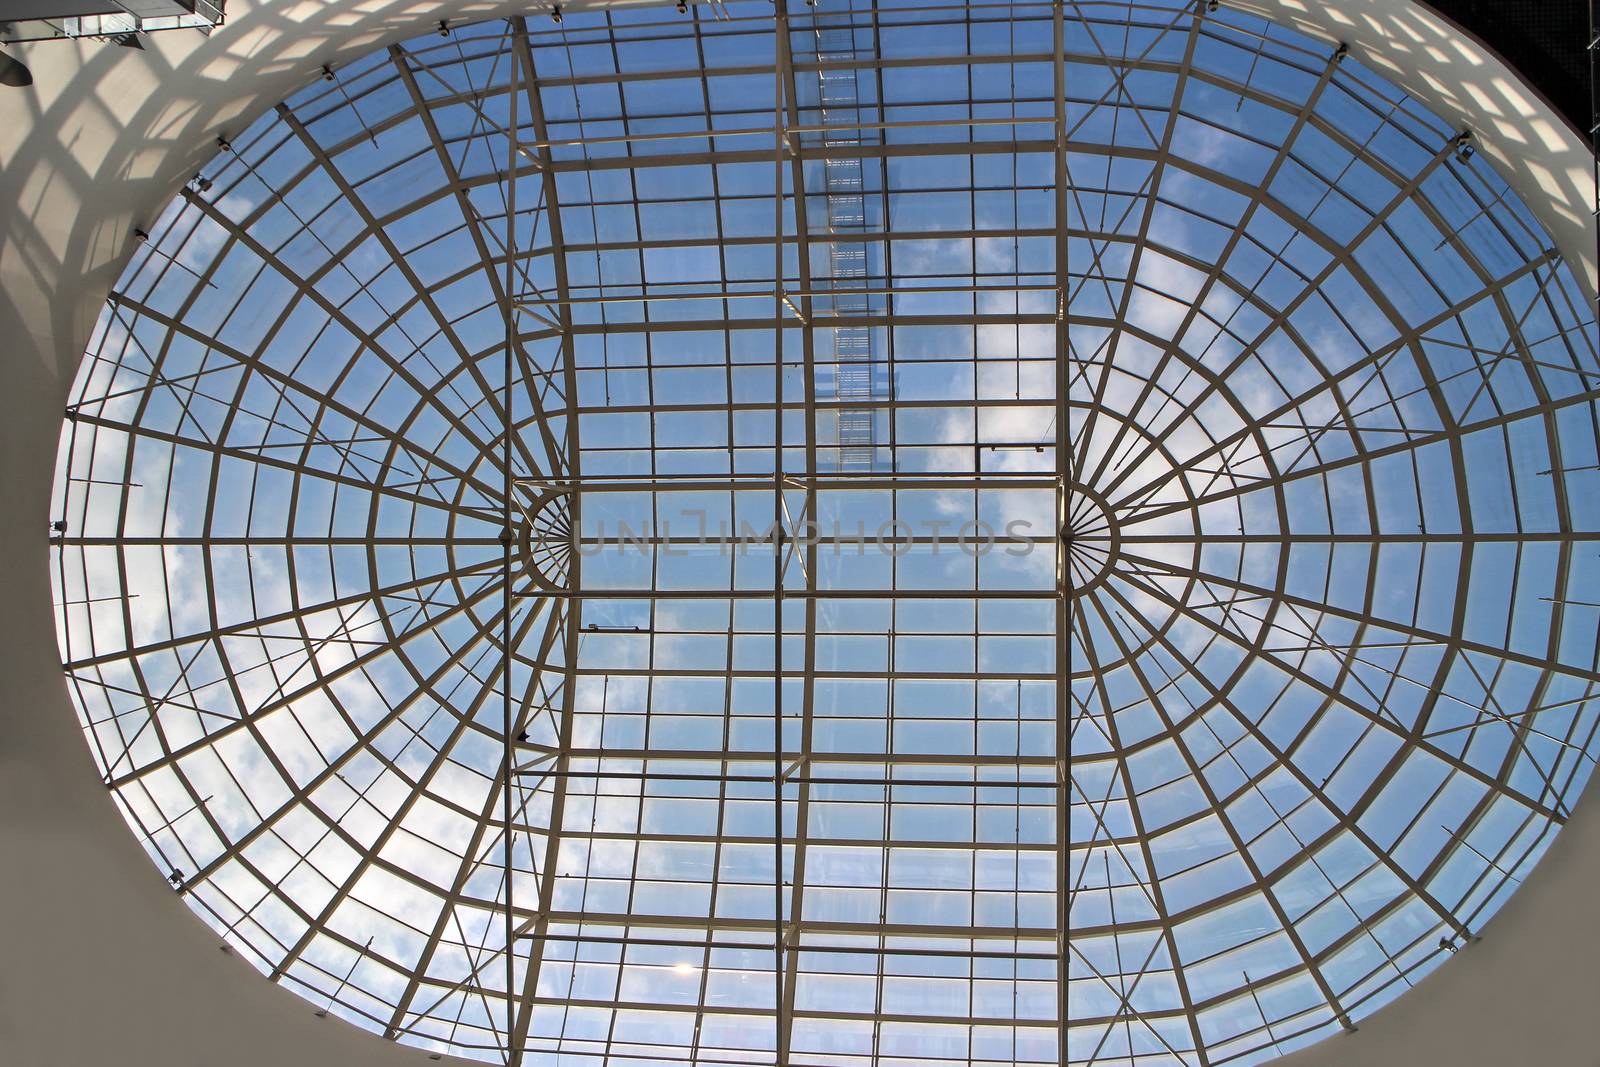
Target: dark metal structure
[(121, 21), (1543, 40)]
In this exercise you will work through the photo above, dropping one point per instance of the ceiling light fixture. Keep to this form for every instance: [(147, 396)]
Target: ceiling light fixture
[(14, 72)]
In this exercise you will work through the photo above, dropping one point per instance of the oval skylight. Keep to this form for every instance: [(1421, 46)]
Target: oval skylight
[(433, 432)]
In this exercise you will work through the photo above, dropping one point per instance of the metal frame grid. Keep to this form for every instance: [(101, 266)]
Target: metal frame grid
[(370, 665)]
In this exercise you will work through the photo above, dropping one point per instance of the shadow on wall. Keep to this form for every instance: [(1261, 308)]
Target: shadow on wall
[(1543, 158), (107, 135)]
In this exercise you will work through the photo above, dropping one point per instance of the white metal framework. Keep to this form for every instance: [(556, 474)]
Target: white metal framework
[(598, 487)]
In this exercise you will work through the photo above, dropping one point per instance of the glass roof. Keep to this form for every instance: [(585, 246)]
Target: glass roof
[(500, 446)]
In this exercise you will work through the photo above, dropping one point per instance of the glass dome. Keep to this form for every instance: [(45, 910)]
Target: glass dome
[(577, 538)]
